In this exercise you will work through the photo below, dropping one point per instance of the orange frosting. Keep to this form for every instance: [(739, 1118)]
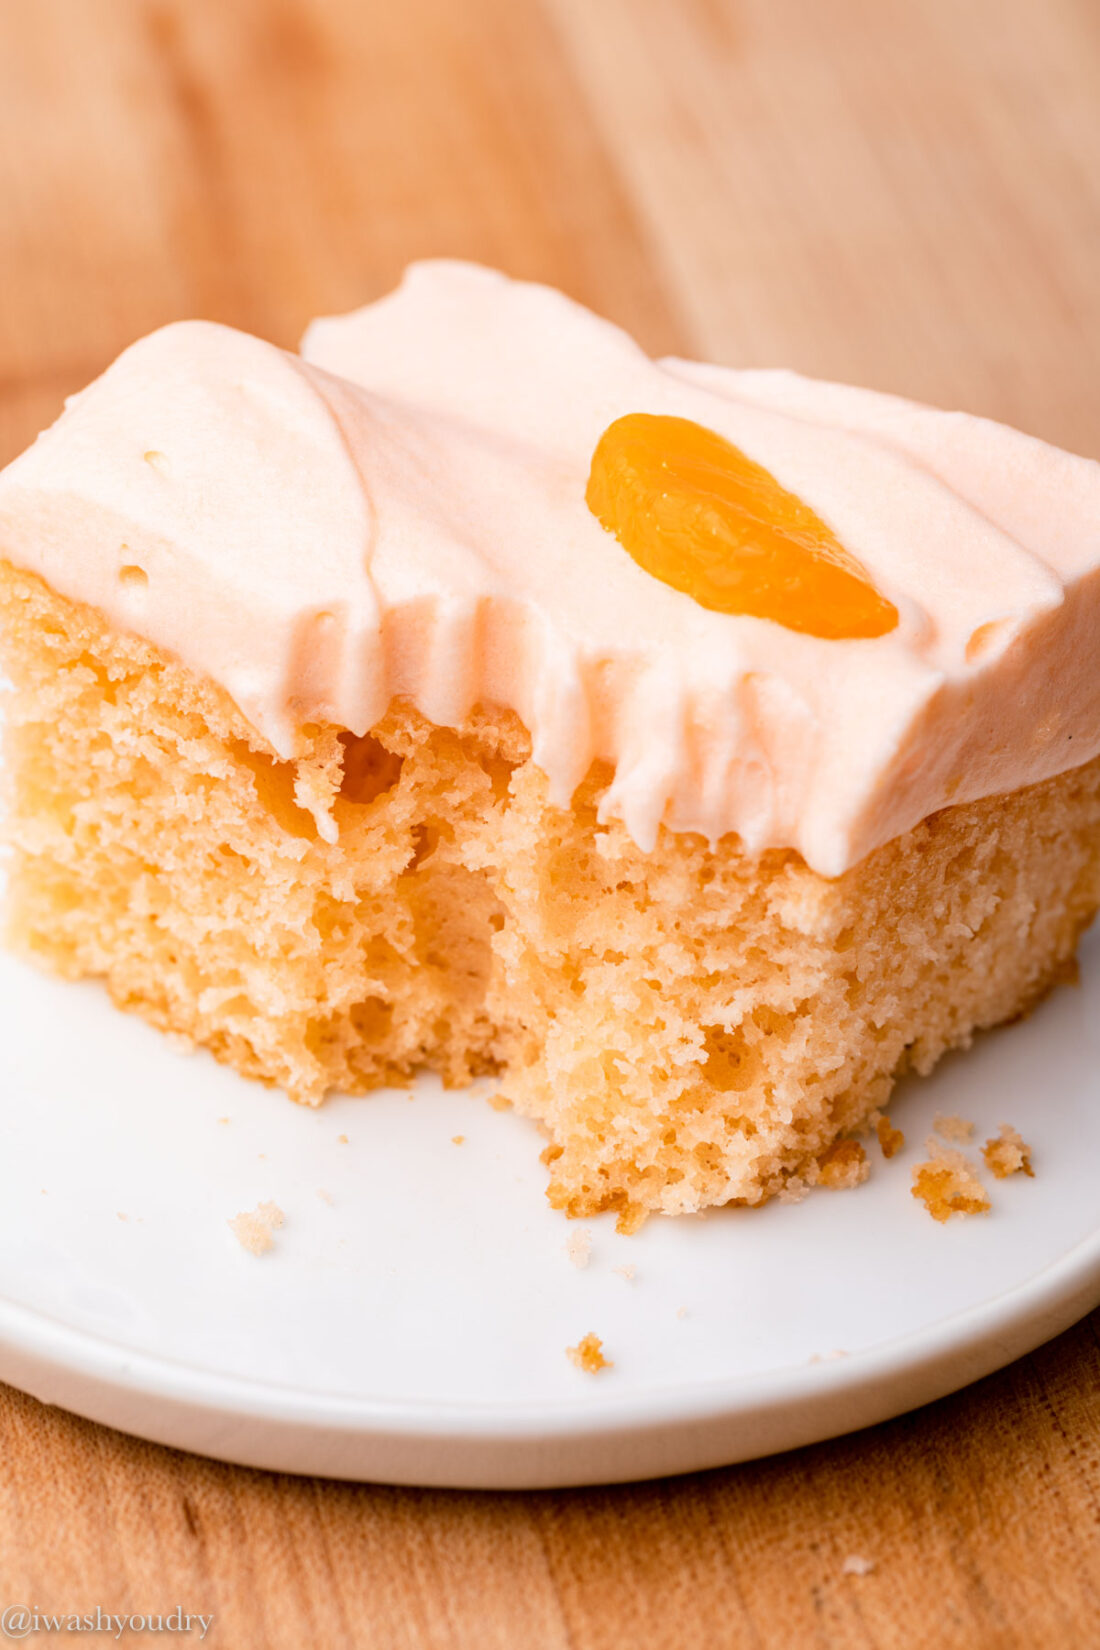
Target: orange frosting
[(694, 511), (416, 528)]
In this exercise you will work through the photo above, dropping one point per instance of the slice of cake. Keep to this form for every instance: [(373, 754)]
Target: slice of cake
[(697, 749)]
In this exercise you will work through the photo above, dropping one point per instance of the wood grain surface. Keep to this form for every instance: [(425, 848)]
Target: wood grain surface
[(904, 193)]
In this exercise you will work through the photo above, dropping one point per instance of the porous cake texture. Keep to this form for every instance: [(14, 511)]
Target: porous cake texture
[(689, 1026)]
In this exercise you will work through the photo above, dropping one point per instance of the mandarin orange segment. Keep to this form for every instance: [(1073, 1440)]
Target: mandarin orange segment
[(698, 514)]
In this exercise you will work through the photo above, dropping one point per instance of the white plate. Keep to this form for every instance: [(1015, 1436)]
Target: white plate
[(414, 1328)]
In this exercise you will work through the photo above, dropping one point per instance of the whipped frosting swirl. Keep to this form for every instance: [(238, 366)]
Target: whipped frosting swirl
[(400, 510)]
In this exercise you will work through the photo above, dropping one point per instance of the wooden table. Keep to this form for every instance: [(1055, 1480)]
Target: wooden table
[(904, 193)]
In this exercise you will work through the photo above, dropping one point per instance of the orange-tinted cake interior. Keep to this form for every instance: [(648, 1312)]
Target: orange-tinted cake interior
[(687, 1026)]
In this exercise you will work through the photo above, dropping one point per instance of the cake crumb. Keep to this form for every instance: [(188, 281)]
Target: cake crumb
[(955, 1129), (626, 1272), (947, 1185), (890, 1139), (844, 1164), (458, 1140), (223, 1120), (342, 1140), (793, 1190), (120, 1216), (829, 1357), (578, 1246), (682, 1312), (857, 1566), (253, 1227), (326, 1197), (588, 1355), (1008, 1153), (632, 1217)]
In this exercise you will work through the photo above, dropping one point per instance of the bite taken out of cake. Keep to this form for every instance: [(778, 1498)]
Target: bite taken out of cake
[(697, 749)]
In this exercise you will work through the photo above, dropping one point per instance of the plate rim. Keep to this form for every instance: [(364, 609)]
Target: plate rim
[(97, 1375)]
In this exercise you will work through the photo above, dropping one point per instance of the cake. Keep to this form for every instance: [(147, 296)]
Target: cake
[(698, 750)]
